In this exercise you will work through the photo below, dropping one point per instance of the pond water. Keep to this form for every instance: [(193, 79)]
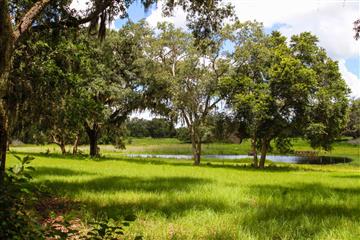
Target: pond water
[(274, 158)]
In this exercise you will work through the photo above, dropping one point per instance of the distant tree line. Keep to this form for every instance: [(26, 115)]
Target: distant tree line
[(220, 128), (155, 128)]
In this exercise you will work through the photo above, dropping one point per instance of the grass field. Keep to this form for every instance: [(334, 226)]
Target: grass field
[(219, 200)]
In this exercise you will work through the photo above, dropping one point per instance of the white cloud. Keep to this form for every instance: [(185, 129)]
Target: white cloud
[(330, 20), (179, 18), (146, 114), (112, 25), (351, 79), (332, 24), (82, 5), (271, 12), (79, 5)]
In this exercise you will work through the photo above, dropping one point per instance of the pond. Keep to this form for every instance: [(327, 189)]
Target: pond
[(273, 158)]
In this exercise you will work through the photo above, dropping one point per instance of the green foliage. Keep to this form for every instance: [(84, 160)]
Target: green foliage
[(183, 134), (20, 219), (284, 145), (279, 91), (328, 104), (17, 197), (137, 127), (353, 126), (161, 128), (189, 77), (107, 230), (90, 84), (155, 128), (55, 69), (58, 227)]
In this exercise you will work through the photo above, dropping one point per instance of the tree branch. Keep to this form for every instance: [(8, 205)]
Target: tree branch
[(98, 9), (29, 17), (73, 21), (187, 120)]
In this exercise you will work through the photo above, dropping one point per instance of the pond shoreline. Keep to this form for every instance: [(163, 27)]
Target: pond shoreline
[(273, 158)]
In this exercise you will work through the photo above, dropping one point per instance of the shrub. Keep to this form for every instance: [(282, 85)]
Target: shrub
[(16, 197), (21, 218)]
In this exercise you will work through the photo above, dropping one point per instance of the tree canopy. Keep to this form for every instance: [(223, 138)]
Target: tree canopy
[(282, 91), (58, 81), (23, 19)]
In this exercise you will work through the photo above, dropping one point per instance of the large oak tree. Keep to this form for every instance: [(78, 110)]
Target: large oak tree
[(20, 18), (279, 90)]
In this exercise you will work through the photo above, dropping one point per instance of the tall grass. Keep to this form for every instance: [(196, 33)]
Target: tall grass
[(219, 200)]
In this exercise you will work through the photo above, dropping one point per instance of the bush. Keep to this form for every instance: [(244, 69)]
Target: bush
[(16, 198), (21, 218)]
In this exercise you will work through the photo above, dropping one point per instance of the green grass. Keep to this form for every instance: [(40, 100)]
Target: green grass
[(219, 200)]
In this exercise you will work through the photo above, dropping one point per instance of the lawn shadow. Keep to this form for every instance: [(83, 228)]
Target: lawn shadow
[(150, 161), (293, 210), (171, 186), (60, 172), (226, 164), (121, 183), (348, 176), (67, 156)]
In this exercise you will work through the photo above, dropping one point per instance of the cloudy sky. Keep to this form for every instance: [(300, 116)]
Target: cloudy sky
[(330, 20)]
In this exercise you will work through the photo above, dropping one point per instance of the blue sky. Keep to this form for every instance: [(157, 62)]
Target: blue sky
[(136, 12), (353, 65)]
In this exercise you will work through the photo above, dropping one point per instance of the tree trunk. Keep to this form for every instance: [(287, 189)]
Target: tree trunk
[(93, 134), (8, 144), (63, 148), (93, 145), (197, 155), (264, 149), (59, 140), (4, 127), (196, 146), (6, 51), (61, 143), (76, 144), (3, 141), (193, 146), (254, 152)]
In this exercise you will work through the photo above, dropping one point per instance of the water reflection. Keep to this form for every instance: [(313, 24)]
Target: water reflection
[(274, 158)]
